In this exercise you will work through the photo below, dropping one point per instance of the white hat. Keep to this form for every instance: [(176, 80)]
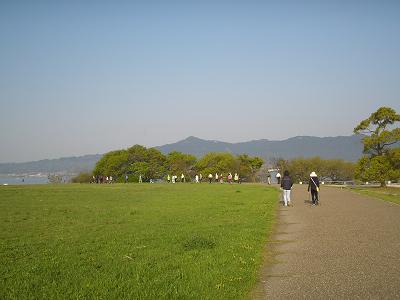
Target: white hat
[(313, 174)]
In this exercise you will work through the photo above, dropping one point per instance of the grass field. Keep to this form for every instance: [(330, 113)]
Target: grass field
[(386, 193), (135, 241)]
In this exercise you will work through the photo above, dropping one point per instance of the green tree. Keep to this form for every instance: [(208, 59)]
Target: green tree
[(249, 166), (377, 164), (337, 169), (178, 163), (333, 169), (377, 168), (376, 127), (215, 162), (113, 163), (136, 160)]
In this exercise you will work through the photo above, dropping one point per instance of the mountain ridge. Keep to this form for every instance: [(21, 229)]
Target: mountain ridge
[(342, 147)]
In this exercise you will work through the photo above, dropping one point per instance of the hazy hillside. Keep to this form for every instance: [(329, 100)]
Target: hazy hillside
[(344, 147), (70, 165)]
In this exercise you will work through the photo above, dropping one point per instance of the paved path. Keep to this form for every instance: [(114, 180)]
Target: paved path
[(347, 248)]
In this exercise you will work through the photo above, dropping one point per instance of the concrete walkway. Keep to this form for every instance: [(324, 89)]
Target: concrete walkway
[(346, 248)]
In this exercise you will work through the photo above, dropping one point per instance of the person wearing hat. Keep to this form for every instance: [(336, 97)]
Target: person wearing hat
[(286, 186), (313, 185)]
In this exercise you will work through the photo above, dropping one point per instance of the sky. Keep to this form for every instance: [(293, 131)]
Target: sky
[(85, 77)]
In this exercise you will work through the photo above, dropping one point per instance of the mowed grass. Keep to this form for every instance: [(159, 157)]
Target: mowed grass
[(135, 241), (390, 194)]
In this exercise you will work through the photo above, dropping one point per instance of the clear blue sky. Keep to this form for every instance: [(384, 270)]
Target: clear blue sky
[(79, 78)]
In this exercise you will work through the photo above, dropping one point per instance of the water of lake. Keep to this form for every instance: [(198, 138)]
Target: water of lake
[(12, 180)]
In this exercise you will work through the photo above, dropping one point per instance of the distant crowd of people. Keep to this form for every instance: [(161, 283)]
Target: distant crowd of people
[(218, 178), (102, 179)]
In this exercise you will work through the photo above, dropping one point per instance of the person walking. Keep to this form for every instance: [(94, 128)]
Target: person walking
[(313, 186), (183, 178), (236, 178), (286, 186), (197, 178), (278, 177), (210, 177), (216, 177), (230, 178)]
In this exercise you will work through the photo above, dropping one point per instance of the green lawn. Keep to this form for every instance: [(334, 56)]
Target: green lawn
[(135, 241), (386, 194)]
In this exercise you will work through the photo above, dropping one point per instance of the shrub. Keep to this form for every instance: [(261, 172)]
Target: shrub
[(82, 178)]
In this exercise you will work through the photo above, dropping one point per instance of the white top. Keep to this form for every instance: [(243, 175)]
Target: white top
[(278, 175)]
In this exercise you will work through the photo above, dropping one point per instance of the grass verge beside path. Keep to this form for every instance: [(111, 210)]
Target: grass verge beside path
[(135, 241), (386, 193)]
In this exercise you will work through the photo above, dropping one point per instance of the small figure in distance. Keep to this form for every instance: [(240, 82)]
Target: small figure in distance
[(230, 178), (168, 178), (197, 178), (200, 177), (313, 185), (221, 178), (286, 186), (216, 177), (269, 178), (140, 179), (126, 178), (183, 178), (210, 177), (278, 177), (236, 178)]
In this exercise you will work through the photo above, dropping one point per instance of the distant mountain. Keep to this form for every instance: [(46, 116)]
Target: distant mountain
[(344, 147), (67, 165)]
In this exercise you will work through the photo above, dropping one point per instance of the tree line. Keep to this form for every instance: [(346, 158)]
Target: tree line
[(150, 163), (327, 169)]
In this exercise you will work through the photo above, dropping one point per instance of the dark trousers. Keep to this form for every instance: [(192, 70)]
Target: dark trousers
[(314, 196)]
